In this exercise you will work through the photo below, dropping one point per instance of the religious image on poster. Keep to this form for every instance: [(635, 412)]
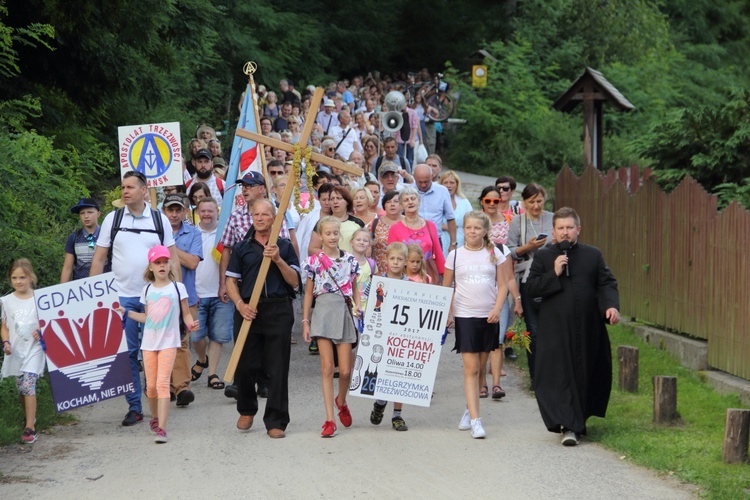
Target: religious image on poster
[(87, 354), (154, 150), (399, 347)]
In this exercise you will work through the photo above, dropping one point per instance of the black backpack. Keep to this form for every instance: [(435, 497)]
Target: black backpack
[(405, 128), (155, 217)]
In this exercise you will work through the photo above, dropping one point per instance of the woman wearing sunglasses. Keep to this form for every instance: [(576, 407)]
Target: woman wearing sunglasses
[(491, 201)]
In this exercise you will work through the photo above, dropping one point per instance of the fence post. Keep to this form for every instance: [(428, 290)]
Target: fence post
[(736, 434), (665, 399), (628, 366)]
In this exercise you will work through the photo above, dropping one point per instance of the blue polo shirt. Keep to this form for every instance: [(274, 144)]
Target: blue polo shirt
[(188, 239), (436, 205)]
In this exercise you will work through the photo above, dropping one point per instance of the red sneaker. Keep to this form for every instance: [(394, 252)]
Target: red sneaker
[(344, 414), (329, 429), (154, 425), (29, 436)]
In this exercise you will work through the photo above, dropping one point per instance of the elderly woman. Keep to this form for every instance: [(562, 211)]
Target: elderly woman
[(461, 206), (529, 232), (414, 229)]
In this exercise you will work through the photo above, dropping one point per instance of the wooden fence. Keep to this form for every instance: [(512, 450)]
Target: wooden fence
[(680, 263)]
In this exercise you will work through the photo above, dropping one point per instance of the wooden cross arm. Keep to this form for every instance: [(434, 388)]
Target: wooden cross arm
[(289, 148)]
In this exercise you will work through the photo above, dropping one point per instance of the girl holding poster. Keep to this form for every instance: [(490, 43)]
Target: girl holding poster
[(480, 290), (24, 355), (332, 285), (165, 300)]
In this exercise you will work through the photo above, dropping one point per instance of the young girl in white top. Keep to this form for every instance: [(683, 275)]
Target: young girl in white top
[(164, 301), (480, 290), (332, 282), (24, 356)]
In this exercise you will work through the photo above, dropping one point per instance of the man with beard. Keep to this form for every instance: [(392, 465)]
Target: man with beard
[(573, 374), (204, 172)]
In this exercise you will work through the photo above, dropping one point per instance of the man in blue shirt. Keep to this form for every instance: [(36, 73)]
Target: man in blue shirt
[(189, 245), (436, 203)]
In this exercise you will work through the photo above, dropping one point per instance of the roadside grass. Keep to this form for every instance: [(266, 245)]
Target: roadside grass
[(12, 414), (691, 449)]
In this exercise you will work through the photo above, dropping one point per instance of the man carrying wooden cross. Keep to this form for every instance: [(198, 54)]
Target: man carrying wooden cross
[(274, 262)]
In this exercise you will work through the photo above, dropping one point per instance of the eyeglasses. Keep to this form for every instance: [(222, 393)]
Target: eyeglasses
[(504, 188), (92, 242), (491, 201), (331, 149), (135, 173)]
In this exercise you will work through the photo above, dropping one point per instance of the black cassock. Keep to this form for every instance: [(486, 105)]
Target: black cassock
[(573, 375)]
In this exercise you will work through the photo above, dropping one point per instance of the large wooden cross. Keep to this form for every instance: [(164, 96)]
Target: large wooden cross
[(283, 205)]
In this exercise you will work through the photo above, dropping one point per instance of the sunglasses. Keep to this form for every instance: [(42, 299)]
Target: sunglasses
[(134, 173), (504, 188), (491, 201), (90, 239)]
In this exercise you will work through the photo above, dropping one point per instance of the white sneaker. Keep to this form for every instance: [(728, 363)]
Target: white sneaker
[(465, 423), (477, 431), (569, 438)]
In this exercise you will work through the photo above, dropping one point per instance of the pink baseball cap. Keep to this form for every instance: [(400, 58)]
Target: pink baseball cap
[(158, 252)]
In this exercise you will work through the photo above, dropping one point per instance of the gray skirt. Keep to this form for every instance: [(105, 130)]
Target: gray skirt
[(331, 320)]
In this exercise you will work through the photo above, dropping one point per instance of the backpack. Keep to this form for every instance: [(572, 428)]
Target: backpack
[(405, 128), (183, 327), (119, 214)]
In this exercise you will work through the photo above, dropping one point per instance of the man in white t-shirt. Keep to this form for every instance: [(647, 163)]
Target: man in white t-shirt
[(135, 235)]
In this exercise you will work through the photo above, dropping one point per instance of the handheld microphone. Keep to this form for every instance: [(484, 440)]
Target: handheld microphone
[(565, 246)]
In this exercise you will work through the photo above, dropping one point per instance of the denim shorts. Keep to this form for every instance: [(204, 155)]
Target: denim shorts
[(216, 319)]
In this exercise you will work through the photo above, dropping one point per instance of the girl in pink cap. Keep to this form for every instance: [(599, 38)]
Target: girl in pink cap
[(165, 303)]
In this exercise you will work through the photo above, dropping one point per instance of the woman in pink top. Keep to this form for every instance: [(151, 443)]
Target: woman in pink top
[(414, 229)]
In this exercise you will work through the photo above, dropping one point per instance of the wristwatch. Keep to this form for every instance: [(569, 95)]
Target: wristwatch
[(453, 244)]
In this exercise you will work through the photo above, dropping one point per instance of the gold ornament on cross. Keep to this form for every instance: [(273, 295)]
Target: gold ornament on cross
[(250, 68)]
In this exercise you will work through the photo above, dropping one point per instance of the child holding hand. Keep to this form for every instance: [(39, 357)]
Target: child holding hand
[(164, 301)]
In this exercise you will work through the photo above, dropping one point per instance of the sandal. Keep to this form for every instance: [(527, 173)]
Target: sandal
[(484, 392), (195, 375), (215, 385), (497, 392)]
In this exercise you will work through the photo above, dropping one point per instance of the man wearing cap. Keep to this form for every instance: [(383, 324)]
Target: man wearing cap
[(189, 245), (79, 249), (204, 172), (267, 347), (390, 178), (135, 236), (253, 188), (327, 118)]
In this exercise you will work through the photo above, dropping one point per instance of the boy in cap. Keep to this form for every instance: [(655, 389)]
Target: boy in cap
[(80, 246)]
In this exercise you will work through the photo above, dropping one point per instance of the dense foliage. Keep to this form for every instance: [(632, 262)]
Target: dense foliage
[(72, 71)]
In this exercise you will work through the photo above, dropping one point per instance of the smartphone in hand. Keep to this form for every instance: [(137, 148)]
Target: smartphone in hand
[(541, 236)]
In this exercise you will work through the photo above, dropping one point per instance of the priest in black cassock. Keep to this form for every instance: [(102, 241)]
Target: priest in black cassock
[(579, 296)]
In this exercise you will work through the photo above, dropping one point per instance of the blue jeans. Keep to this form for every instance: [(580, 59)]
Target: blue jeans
[(216, 321), (132, 336), (408, 152), (504, 321)]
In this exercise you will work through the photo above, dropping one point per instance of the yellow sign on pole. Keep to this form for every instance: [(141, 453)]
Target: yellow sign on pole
[(479, 76)]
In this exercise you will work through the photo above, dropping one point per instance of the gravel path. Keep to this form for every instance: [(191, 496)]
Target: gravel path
[(207, 457)]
